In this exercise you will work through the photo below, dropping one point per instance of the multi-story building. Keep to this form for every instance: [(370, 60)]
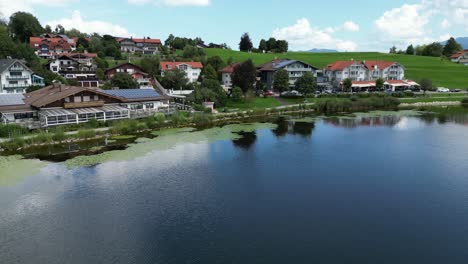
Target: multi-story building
[(363, 71), (295, 69), (226, 74), (191, 69), (48, 46), (79, 67), (141, 46), (137, 73), (16, 77)]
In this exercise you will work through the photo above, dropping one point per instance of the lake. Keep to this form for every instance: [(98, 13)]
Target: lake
[(377, 188)]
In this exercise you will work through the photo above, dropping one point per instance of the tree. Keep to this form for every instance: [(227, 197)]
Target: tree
[(100, 74), (282, 46), (101, 63), (434, 50), (263, 45), (48, 29), (244, 76), (175, 79), (23, 25), (451, 47), (271, 44), (393, 50), (210, 73), (220, 95), (379, 83), (245, 43), (347, 85), (83, 42), (410, 50), (59, 29), (426, 85), (150, 65), (237, 94), (7, 46), (306, 84), (169, 41), (123, 81), (217, 63), (281, 80)]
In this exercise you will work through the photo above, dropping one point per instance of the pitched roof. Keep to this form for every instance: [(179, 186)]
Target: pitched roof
[(277, 64), (142, 40), (173, 65), (6, 63), (135, 94), (52, 43), (380, 64), (79, 55), (340, 65), (230, 68), (457, 55), (50, 94), (129, 64)]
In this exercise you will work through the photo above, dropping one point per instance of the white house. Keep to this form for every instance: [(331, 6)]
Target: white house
[(15, 77), (141, 46), (226, 74), (363, 71), (191, 69), (295, 69)]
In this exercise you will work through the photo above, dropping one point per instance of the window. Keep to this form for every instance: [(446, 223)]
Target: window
[(67, 99), (86, 98), (149, 106), (96, 98), (183, 67), (77, 99), (136, 106)]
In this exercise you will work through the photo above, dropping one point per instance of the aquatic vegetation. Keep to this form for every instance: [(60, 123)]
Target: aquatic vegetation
[(15, 168), (123, 137), (167, 139)]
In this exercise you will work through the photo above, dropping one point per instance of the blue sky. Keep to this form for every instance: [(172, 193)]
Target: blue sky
[(344, 25)]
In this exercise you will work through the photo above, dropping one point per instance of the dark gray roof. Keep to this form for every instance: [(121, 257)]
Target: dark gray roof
[(5, 64), (11, 99), (133, 93)]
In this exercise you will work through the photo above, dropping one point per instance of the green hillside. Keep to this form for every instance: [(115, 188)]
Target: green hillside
[(441, 72)]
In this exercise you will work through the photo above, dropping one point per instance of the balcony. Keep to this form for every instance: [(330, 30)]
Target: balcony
[(13, 86), (17, 77), (83, 104), (16, 68)]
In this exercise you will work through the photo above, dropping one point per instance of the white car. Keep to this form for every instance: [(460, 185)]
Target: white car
[(443, 90)]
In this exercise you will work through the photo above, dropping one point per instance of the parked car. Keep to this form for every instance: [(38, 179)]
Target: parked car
[(292, 93), (443, 90), (268, 94), (456, 91)]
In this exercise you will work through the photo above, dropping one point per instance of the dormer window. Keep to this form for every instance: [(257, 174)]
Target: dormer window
[(169, 66)]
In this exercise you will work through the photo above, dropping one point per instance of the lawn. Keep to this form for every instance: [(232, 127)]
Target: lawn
[(441, 72), (432, 99), (255, 103)]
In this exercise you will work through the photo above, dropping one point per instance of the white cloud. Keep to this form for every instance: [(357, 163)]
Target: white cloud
[(8, 7), (302, 36), (445, 24), (172, 2), (350, 26), (94, 26), (403, 24)]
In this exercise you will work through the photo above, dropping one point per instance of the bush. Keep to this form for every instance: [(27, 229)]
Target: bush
[(465, 102), (178, 119), (237, 94), (14, 144), (202, 119), (59, 135), (86, 134), (41, 137), (11, 130)]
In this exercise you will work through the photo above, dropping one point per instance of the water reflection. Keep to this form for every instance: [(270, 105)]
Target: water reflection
[(246, 141), (301, 128)]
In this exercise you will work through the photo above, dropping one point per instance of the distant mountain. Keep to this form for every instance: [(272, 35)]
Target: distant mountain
[(322, 50), (462, 41)]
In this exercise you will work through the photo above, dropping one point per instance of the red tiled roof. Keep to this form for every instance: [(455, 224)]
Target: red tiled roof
[(50, 42), (143, 40), (457, 55), (164, 65), (396, 82), (380, 64), (339, 65), (230, 68)]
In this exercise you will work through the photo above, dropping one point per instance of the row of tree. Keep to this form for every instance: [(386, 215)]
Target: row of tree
[(271, 45), (434, 49)]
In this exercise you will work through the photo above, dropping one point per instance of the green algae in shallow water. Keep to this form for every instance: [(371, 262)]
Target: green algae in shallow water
[(166, 140), (123, 137), (15, 168), (401, 113)]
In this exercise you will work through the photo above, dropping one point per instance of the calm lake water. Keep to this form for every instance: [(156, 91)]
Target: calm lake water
[(391, 189)]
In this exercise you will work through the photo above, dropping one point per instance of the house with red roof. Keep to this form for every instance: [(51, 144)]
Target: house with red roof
[(226, 74), (460, 57), (363, 71), (192, 69), (137, 73), (147, 45), (49, 46)]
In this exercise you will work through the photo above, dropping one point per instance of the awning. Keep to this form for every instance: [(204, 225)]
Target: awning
[(56, 112), (82, 111), (113, 108)]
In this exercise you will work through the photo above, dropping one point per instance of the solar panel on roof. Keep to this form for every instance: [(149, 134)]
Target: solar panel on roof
[(133, 93), (11, 99), (283, 64)]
